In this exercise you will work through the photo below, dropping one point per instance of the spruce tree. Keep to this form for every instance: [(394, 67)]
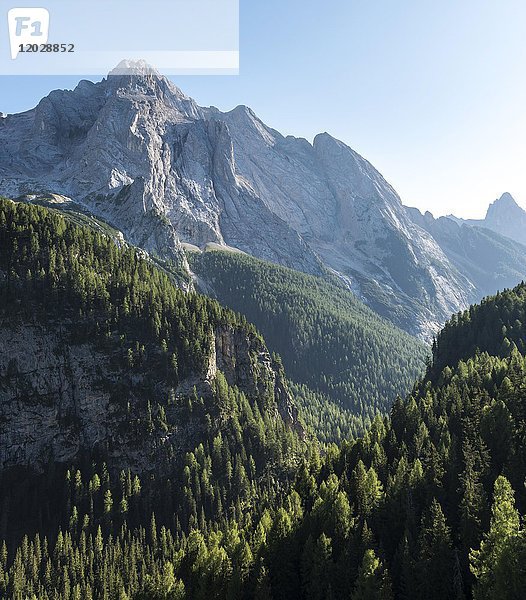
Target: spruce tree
[(496, 565)]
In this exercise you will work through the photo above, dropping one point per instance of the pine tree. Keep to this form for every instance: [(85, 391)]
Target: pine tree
[(496, 565), (317, 567), (473, 501), (263, 590), (373, 582), (435, 560)]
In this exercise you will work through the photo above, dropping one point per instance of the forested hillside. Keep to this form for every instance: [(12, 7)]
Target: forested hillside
[(427, 505), (192, 427), (496, 325), (352, 360)]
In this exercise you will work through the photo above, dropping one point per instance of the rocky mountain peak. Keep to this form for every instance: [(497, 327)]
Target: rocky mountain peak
[(507, 197), (506, 217), (139, 81), (136, 151), (505, 203)]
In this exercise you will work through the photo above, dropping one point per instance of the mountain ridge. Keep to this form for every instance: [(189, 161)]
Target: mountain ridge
[(139, 153), (490, 260), (504, 216)]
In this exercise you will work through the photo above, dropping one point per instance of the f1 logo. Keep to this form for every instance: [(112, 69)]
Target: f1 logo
[(27, 26)]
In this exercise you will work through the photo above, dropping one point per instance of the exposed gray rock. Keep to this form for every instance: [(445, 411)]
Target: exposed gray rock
[(247, 364), (504, 216), (57, 402), (489, 260), (136, 151)]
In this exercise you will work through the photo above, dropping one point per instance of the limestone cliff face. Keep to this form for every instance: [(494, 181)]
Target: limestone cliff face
[(137, 152), (247, 364), (61, 401), (50, 406), (134, 150)]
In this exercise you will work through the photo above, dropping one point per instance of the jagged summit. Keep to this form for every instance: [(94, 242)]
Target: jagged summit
[(504, 216), (507, 197), (505, 203), (138, 79), (134, 67), (507, 218)]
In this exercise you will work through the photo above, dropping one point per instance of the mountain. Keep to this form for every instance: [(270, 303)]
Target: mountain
[(486, 258), (345, 364), (108, 368), (135, 151), (504, 216), (328, 340), (199, 483)]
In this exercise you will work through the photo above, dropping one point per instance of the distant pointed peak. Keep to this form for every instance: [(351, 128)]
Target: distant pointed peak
[(505, 210), (506, 198), (505, 202)]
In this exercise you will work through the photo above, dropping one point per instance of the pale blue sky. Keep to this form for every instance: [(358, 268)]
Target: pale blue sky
[(432, 93)]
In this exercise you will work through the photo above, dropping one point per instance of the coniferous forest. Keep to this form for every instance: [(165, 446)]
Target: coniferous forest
[(348, 364), (221, 491)]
